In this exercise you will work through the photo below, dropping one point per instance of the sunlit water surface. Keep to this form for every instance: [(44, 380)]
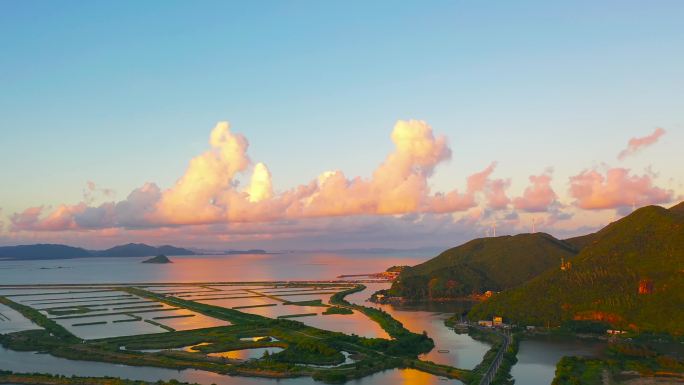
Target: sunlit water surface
[(234, 268), (536, 364), (537, 357)]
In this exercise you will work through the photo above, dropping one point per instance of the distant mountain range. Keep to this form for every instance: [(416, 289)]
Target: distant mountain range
[(141, 250), (56, 251), (51, 251)]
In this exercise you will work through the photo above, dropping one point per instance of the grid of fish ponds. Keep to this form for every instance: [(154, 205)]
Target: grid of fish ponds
[(99, 312), (280, 301), (102, 313)]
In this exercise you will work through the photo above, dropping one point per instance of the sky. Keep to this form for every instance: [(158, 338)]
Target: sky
[(337, 124)]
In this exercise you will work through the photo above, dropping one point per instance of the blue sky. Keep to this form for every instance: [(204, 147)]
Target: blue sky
[(126, 92)]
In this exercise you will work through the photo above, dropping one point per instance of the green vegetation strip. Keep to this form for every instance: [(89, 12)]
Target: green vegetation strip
[(251, 306), (209, 288), (94, 305), (73, 310), (214, 294), (7, 377), (167, 328), (41, 320), (393, 327), (66, 292), (77, 298), (313, 302), (313, 293), (273, 297), (117, 313), (337, 310), (175, 316), (80, 301), (127, 320), (138, 307), (90, 323), (216, 298), (297, 315)]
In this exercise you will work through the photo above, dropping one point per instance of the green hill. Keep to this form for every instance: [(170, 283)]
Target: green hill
[(483, 264), (631, 275), (582, 241)]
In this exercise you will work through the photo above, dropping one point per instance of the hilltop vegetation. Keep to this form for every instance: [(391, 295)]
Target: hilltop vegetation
[(483, 264), (629, 275)]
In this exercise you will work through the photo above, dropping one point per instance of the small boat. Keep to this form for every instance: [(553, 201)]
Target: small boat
[(443, 351)]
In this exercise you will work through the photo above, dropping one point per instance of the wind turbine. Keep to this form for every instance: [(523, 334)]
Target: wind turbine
[(534, 222), (494, 227)]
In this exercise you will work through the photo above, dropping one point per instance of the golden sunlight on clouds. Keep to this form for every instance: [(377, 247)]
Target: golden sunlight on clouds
[(200, 195), (208, 193), (260, 188)]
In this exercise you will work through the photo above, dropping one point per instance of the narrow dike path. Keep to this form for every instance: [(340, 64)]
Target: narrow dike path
[(491, 372)]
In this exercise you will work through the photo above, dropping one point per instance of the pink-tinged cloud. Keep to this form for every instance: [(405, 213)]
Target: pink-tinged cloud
[(496, 196), (480, 182), (538, 196), (399, 185), (209, 193), (617, 188), (61, 218), (636, 144)]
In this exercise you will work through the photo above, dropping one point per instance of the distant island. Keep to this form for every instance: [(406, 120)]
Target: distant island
[(57, 251), (161, 258), (238, 252), (52, 251)]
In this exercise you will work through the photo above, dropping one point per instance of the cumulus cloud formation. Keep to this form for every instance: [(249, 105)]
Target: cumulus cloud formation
[(398, 185), (636, 144), (222, 190), (538, 196), (480, 182), (593, 190), (208, 192), (200, 195), (260, 187)]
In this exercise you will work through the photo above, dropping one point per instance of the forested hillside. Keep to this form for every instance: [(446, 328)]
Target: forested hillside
[(631, 275), (483, 264)]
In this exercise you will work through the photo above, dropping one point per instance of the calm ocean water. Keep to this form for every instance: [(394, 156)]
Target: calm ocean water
[(205, 268)]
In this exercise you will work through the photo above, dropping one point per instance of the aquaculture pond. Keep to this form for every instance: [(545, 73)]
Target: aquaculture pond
[(463, 351), (537, 357)]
